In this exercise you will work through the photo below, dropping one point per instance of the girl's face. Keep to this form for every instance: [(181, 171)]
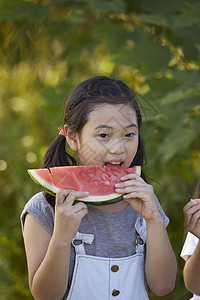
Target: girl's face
[(109, 137)]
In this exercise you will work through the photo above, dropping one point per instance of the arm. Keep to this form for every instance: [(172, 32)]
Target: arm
[(160, 265), (48, 257), (191, 271)]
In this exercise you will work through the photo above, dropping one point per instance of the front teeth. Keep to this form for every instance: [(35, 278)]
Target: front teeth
[(114, 163)]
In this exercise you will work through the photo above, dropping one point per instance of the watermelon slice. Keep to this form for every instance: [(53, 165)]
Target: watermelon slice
[(98, 180)]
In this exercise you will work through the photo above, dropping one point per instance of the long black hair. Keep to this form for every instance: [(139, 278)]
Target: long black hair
[(81, 101)]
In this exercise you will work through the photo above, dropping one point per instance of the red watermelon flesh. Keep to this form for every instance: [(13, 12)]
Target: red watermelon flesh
[(98, 180)]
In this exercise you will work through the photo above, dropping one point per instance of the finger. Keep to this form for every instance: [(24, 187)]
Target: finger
[(194, 221), (195, 218), (130, 182), (68, 196), (132, 176), (189, 205), (135, 202), (79, 210), (196, 199), (135, 194), (77, 207), (189, 212), (131, 189), (82, 212), (61, 195), (73, 195)]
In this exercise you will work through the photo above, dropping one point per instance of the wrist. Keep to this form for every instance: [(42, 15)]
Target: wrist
[(156, 220), (61, 240)]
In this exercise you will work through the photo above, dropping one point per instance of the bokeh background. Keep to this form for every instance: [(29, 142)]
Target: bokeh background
[(48, 46)]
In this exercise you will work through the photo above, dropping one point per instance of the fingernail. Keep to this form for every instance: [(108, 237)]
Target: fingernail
[(193, 201)]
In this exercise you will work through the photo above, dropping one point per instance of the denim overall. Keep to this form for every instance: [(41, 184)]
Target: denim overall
[(99, 278)]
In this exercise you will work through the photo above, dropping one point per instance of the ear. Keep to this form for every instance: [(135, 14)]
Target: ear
[(71, 137)]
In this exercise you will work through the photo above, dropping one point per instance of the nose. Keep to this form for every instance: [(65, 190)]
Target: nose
[(117, 146)]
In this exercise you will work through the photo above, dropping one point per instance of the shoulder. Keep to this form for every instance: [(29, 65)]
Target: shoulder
[(41, 210), (189, 246)]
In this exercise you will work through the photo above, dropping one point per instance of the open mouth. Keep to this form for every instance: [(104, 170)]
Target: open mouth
[(114, 163)]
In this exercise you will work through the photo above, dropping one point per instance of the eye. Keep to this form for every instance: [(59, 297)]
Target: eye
[(103, 135), (130, 134)]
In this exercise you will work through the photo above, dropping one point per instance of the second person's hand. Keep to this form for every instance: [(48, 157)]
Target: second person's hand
[(192, 217)]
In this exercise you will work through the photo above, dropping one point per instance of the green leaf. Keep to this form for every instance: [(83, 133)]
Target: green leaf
[(161, 6), (176, 143), (108, 5), (186, 39), (114, 33), (19, 9), (161, 86), (185, 91), (155, 19), (151, 57), (186, 18), (185, 75)]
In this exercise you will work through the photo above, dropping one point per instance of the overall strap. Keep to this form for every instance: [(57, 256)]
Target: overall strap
[(81, 238), (141, 229)]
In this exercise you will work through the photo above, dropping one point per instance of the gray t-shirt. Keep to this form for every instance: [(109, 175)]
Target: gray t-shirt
[(114, 233)]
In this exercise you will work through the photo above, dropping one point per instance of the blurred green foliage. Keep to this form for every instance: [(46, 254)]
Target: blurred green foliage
[(48, 46)]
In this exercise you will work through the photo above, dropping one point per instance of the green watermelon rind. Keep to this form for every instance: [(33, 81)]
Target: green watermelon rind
[(105, 200), (101, 203), (30, 172), (89, 200)]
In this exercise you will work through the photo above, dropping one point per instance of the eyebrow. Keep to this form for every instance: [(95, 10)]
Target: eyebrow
[(110, 127), (132, 125)]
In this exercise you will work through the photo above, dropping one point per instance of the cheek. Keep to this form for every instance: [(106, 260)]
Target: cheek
[(92, 147), (133, 147), (135, 143), (134, 151), (101, 148)]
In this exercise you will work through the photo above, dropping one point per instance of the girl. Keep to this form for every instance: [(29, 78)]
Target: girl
[(84, 253), (191, 248)]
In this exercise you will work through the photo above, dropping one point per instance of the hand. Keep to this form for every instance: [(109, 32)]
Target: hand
[(140, 195), (68, 215), (192, 217)]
